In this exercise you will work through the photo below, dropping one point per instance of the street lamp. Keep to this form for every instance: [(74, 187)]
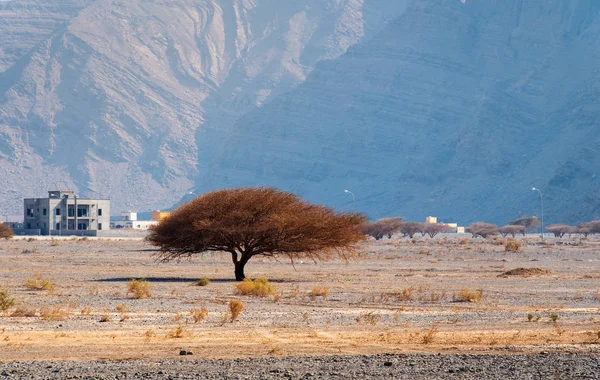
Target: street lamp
[(351, 193), (542, 205)]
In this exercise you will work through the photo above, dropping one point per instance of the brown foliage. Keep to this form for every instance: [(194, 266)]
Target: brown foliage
[(529, 222), (5, 231), (592, 227), (247, 222), (433, 229), (559, 230), (512, 230), (382, 227), (482, 229), (411, 228)]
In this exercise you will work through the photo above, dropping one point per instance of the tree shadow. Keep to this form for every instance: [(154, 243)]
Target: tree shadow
[(188, 279)]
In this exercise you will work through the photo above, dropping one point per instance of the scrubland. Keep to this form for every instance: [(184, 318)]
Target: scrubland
[(84, 299)]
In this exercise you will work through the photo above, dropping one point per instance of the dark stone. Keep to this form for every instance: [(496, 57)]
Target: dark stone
[(388, 364)]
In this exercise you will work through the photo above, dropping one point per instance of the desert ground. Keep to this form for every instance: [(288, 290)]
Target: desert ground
[(400, 300)]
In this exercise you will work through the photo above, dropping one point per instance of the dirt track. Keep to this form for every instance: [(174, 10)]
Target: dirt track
[(399, 297)]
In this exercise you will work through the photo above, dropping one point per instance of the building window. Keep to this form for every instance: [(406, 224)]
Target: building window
[(71, 211), (44, 213), (99, 212), (30, 212), (57, 212), (58, 226), (99, 226), (82, 212)]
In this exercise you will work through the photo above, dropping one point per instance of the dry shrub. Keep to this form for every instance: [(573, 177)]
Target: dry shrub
[(6, 301), (596, 295), (318, 291), (93, 290), (258, 288), (235, 309), (55, 313), (24, 312), (5, 231), (407, 294), (176, 333), (198, 314), (368, 318), (467, 295), (37, 282), (86, 310), (429, 335), (204, 281), (123, 311), (54, 243), (139, 289), (513, 246), (177, 317), (105, 317)]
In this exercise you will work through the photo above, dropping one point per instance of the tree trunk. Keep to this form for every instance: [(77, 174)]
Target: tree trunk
[(239, 267)]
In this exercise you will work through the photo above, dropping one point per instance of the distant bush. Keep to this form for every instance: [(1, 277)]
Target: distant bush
[(482, 229), (559, 230), (5, 231), (204, 281), (411, 228), (319, 291), (529, 222), (235, 309), (258, 288), (433, 229), (382, 227), (467, 295), (512, 230)]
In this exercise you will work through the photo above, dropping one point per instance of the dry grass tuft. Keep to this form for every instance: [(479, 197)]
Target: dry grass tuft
[(176, 333), (429, 335), (235, 309), (93, 290), (24, 312), (467, 295), (319, 291), (37, 282), (513, 246), (198, 314), (6, 301), (105, 317), (55, 313), (368, 318), (257, 288), (204, 281), (139, 289), (123, 312), (86, 310)]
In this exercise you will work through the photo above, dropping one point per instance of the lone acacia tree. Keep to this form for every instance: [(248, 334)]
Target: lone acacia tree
[(248, 222), (382, 227)]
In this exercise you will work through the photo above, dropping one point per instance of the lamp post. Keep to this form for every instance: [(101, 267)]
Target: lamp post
[(351, 193), (542, 205)]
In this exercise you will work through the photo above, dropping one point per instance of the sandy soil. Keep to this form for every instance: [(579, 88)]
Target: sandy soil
[(399, 297)]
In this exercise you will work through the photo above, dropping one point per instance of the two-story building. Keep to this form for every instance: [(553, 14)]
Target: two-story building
[(63, 213)]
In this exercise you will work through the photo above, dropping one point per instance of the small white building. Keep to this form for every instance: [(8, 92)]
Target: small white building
[(129, 220)]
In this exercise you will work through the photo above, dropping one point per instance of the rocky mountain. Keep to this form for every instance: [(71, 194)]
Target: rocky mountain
[(454, 108), (110, 97)]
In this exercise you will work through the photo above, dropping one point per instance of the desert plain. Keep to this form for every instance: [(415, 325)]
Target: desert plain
[(397, 298)]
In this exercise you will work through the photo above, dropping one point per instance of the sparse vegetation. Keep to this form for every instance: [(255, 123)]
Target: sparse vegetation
[(123, 312), (55, 313), (105, 317), (6, 301), (382, 227), (512, 230), (38, 282), (6, 232), (139, 289), (23, 311), (482, 229), (512, 246), (176, 333), (429, 335), (250, 222), (198, 314), (235, 309), (528, 222), (432, 229), (370, 318), (318, 291), (411, 228), (204, 281), (467, 295), (559, 230), (258, 288)]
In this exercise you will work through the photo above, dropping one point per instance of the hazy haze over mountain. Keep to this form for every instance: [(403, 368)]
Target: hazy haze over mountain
[(445, 107)]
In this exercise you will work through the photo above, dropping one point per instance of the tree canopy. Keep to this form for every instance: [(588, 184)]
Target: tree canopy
[(382, 227), (247, 222)]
